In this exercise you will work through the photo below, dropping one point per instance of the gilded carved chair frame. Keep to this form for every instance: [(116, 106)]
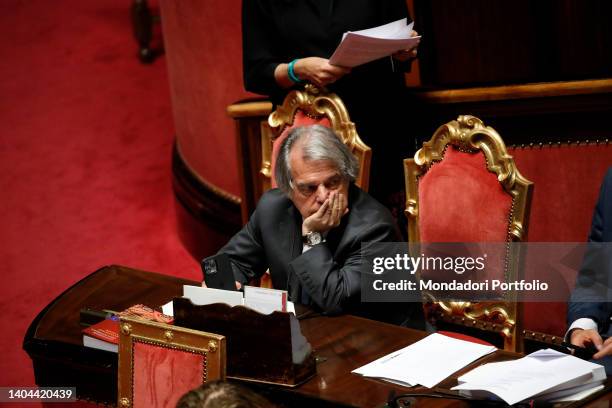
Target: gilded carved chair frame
[(469, 133), (132, 331), (315, 103)]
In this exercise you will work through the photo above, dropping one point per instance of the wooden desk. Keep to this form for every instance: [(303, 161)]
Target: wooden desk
[(343, 343)]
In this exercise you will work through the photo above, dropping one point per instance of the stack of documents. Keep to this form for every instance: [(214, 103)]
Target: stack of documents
[(262, 300), (426, 362), (545, 375), (359, 47)]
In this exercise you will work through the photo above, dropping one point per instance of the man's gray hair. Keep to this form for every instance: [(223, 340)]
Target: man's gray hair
[(319, 143)]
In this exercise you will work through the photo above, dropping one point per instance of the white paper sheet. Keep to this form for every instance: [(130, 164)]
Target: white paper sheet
[(360, 47), (207, 296), (579, 395), (426, 362), (168, 308), (265, 300), (290, 307), (539, 373)]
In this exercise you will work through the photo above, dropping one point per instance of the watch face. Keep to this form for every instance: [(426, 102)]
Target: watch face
[(313, 238)]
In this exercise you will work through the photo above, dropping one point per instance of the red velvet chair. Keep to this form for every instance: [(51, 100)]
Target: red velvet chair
[(307, 107), (567, 177), (462, 186), (158, 363)]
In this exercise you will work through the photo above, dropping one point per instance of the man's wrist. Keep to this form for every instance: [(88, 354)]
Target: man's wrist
[(307, 228), (583, 323), (312, 238), (571, 333)]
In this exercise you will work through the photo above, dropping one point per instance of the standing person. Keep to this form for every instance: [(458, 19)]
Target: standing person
[(590, 310), (287, 42)]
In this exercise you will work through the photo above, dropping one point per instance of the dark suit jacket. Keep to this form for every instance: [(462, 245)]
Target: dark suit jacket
[(592, 296), (328, 276)]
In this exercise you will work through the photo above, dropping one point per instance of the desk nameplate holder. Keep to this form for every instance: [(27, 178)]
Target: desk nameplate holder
[(260, 348)]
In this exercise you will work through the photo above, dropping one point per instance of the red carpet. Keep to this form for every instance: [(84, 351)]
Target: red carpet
[(85, 152)]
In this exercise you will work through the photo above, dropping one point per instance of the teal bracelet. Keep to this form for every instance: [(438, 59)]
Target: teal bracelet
[(291, 73)]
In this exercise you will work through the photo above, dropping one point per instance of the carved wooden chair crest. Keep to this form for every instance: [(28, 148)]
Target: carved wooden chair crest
[(158, 362), (462, 186), (308, 107)]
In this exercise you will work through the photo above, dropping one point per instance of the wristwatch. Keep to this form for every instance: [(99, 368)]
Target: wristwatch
[(312, 238)]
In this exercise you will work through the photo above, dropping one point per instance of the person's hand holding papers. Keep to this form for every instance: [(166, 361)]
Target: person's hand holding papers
[(360, 47), (356, 48), (319, 71), (408, 54)]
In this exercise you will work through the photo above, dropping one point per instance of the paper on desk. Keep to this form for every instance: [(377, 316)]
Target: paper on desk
[(579, 394), (539, 374), (265, 300), (426, 362), (168, 309), (360, 47), (207, 296), (203, 297)]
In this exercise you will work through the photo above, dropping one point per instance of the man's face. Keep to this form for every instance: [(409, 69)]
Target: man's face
[(312, 182)]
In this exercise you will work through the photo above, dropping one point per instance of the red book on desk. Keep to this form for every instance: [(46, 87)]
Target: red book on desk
[(103, 335)]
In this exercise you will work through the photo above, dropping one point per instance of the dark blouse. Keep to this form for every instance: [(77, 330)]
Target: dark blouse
[(278, 31)]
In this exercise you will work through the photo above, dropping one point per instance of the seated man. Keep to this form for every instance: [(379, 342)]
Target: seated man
[(310, 230), (590, 309)]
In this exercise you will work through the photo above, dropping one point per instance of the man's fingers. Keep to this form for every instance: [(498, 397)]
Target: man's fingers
[(583, 338), (335, 214), (341, 207), (328, 215), (595, 338), (330, 209), (344, 202), (323, 209), (606, 350)]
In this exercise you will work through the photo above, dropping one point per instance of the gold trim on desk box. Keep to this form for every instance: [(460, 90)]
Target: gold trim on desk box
[(211, 346)]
